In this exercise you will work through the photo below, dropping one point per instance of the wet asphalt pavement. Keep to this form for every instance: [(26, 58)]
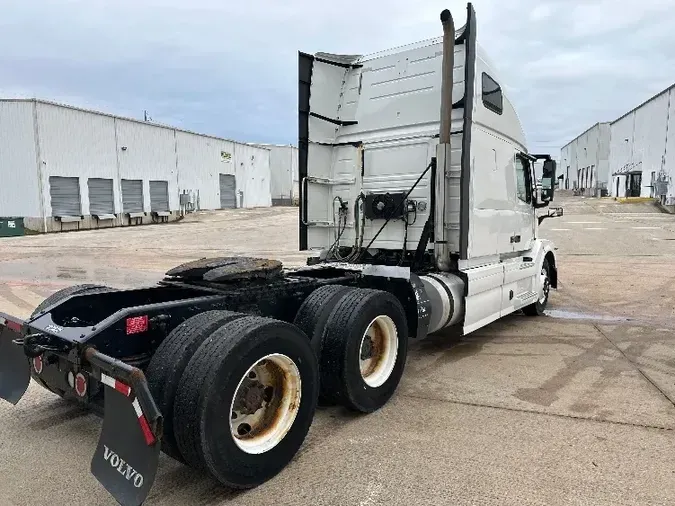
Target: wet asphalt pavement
[(572, 408)]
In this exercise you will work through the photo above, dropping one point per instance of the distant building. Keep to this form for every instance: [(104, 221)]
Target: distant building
[(66, 168), (284, 173), (642, 150), (584, 162)]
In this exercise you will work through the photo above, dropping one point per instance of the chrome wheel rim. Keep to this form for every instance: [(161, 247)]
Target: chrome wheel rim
[(265, 404), (378, 351)]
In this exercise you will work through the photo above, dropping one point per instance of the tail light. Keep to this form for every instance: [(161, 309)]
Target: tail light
[(16, 327), (137, 324)]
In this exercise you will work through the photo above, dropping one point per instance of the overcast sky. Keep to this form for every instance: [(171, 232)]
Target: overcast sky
[(230, 68)]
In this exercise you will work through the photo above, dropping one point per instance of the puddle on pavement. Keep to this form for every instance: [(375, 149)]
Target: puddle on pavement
[(573, 315)]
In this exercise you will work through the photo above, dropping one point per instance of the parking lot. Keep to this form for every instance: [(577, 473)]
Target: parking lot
[(576, 407)]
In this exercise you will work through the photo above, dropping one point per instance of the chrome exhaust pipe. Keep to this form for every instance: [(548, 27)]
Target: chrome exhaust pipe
[(441, 249)]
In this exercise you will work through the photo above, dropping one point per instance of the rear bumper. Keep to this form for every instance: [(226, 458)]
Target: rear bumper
[(127, 455)]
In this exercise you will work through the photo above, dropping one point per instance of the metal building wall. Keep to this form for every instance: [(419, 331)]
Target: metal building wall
[(295, 189), (284, 172), (604, 176), (200, 160), (642, 144), (668, 171), (19, 183), (567, 162), (74, 143), (252, 171), (586, 160), (148, 153)]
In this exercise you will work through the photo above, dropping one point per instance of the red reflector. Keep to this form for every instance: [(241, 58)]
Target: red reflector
[(16, 327), (137, 324), (147, 433), (122, 388), (80, 384)]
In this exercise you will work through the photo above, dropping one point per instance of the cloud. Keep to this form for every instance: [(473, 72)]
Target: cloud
[(229, 68)]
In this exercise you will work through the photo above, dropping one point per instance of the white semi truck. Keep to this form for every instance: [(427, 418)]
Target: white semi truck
[(417, 196), (467, 224)]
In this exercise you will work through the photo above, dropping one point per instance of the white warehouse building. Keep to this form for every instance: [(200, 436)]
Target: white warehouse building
[(642, 150), (65, 168), (284, 169), (584, 162)]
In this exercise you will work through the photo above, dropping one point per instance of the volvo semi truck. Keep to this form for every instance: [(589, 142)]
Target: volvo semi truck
[(419, 208)]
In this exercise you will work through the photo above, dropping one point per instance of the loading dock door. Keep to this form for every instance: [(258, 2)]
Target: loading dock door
[(101, 197), (159, 196), (132, 195), (64, 193), (228, 196)]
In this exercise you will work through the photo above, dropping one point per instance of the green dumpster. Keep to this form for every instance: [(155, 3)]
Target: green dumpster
[(11, 227)]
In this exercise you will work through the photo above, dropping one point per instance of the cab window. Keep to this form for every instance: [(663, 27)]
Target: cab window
[(493, 98), (523, 186)]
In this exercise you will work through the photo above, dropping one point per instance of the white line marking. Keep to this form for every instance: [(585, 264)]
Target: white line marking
[(595, 228), (583, 222), (645, 228), (561, 229), (137, 407), (108, 380)]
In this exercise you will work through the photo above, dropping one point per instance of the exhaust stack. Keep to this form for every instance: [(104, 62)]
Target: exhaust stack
[(441, 250)]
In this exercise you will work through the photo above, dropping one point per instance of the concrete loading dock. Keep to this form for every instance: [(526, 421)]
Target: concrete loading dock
[(567, 409)]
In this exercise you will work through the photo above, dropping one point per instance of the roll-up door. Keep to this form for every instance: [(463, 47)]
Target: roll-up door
[(159, 196), (65, 196), (228, 197), (101, 197), (132, 195)]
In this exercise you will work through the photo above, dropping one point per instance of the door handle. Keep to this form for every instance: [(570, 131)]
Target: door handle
[(515, 238)]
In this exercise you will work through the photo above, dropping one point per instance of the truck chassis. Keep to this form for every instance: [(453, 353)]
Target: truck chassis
[(154, 362)]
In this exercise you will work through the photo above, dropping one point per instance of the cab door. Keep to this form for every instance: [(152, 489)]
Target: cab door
[(519, 269)]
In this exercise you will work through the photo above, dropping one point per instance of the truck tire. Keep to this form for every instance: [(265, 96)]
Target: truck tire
[(538, 307), (365, 347), (169, 361), (50, 301), (315, 310), (261, 376)]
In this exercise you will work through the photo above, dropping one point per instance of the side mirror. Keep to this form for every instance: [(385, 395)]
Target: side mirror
[(548, 180)]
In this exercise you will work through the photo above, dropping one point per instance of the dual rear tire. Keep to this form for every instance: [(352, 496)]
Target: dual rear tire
[(238, 392), (361, 340)]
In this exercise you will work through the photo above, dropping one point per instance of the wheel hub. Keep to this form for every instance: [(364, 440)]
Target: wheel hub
[(265, 404), (378, 351), (251, 397)]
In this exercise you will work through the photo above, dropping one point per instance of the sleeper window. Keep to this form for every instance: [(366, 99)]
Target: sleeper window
[(493, 98)]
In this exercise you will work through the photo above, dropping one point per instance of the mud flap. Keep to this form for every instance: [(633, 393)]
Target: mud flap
[(14, 366), (124, 463)]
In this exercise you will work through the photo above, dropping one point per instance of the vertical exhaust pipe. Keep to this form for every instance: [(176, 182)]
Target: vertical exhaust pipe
[(441, 249), (446, 75)]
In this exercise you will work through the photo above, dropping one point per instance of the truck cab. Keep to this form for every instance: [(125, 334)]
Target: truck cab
[(368, 128)]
